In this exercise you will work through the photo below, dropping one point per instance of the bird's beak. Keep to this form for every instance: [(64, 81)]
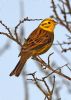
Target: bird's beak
[(56, 23)]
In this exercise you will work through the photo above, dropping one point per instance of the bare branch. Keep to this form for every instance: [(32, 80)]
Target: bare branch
[(6, 28), (10, 37), (50, 68), (48, 94), (22, 21), (64, 21)]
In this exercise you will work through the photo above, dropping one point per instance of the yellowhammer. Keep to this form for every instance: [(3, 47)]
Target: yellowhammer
[(39, 41)]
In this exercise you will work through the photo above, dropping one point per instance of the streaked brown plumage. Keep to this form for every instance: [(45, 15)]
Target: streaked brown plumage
[(39, 41)]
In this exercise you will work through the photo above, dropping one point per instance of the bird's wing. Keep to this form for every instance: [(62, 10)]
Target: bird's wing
[(37, 39)]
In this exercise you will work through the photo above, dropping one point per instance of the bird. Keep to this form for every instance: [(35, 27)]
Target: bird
[(37, 43)]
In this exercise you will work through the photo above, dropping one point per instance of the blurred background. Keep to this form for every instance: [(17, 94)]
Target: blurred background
[(19, 88)]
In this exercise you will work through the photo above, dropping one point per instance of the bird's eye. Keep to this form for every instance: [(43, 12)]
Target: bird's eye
[(49, 22)]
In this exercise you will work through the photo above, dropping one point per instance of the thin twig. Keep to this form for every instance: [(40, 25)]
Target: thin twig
[(12, 38), (50, 68), (22, 21), (6, 28), (57, 17)]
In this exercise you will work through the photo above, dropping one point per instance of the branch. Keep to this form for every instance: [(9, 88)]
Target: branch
[(6, 28), (50, 68), (10, 37), (48, 94), (22, 21), (63, 21)]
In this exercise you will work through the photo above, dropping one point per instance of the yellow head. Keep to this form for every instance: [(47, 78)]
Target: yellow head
[(48, 24)]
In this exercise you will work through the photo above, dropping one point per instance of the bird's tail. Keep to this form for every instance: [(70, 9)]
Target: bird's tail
[(17, 70)]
